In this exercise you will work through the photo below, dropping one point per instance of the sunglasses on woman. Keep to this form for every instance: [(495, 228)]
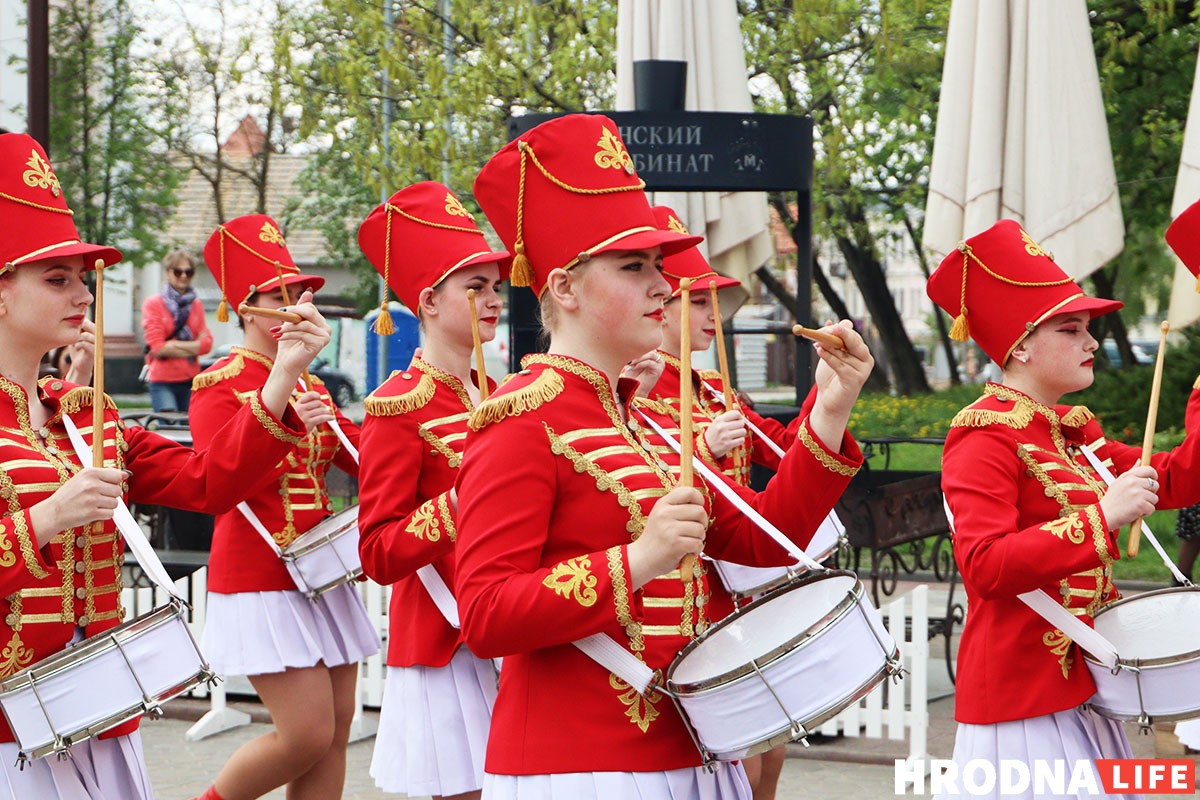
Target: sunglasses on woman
[(183, 272)]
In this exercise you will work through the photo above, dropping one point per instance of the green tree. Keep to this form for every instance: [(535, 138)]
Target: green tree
[(1146, 53), (868, 74), (114, 172)]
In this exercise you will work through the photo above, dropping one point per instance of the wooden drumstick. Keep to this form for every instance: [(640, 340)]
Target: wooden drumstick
[(477, 342), (287, 302), (686, 443), (98, 372), (827, 339), (258, 311), (1135, 532), (723, 363)]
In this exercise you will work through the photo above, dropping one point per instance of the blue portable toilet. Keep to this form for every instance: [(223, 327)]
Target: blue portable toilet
[(401, 344)]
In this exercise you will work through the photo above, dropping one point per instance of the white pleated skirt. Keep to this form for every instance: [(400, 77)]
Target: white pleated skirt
[(99, 769), (258, 633), (692, 783), (1189, 733), (433, 727), (1077, 734)]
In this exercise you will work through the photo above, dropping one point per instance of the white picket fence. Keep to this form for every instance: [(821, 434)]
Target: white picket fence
[(891, 710), (895, 708)]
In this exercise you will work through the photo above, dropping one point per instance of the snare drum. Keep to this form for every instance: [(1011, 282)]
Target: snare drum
[(776, 668), (325, 556), (102, 681), (1157, 638), (744, 582)]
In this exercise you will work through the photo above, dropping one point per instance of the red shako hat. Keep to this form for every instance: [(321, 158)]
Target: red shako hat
[(1183, 234), (691, 263)]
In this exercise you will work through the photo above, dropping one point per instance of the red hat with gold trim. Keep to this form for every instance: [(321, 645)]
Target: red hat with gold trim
[(248, 255), (421, 235), (37, 222), (1000, 285), (565, 191), (691, 263), (1183, 234)]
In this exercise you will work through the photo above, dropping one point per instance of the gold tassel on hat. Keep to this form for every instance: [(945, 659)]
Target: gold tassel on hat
[(1197, 283), (223, 310), (383, 323), (521, 273), (959, 331)]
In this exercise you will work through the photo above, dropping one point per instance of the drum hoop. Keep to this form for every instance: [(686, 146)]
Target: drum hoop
[(293, 552), (112, 720), (92, 646), (840, 610), (794, 572), (1161, 661), (1177, 716)]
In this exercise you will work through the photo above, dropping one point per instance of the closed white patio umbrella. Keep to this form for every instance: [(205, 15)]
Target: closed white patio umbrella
[(1021, 133), (1185, 302), (706, 35)]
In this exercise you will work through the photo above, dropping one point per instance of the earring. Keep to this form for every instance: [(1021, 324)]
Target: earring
[(1024, 359)]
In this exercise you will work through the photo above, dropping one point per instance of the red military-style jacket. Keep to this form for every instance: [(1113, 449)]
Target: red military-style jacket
[(1026, 514), (709, 391), (295, 500), (412, 445), (552, 490), (75, 580)]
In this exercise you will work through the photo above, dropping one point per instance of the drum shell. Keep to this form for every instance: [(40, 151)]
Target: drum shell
[(1162, 687), (846, 653), (327, 555), (88, 688)]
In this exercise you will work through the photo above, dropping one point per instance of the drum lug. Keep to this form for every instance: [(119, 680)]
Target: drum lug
[(799, 733), (1145, 724), (62, 748), (154, 709), (895, 669)]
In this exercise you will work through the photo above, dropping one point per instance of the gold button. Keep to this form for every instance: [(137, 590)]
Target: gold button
[(80, 567), (43, 432), (81, 592), (11, 620), (80, 541), (407, 376), (51, 449), (56, 385), (83, 621)]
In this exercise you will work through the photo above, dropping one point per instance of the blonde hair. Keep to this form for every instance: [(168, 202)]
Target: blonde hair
[(172, 259), (549, 309)]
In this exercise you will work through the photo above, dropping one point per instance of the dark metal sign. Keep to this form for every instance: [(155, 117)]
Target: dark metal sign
[(709, 150)]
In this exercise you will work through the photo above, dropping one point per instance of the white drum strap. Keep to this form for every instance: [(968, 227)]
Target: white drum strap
[(126, 524), (1053, 612), (604, 650), (1108, 476), (718, 483), (257, 524), (439, 593)]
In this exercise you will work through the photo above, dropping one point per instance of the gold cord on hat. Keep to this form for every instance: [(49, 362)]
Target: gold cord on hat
[(522, 271), (223, 307), (38, 206), (959, 331)]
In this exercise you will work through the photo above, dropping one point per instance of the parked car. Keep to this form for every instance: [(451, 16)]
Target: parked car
[(1143, 352), (339, 383)]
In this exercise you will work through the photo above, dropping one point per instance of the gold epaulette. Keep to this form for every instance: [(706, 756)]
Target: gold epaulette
[(81, 397), (214, 376), (1017, 418), (658, 408), (709, 374), (512, 402), (316, 380), (1196, 384), (414, 398), (1077, 417)]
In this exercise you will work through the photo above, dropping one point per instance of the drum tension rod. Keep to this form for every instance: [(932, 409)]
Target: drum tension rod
[(149, 705)]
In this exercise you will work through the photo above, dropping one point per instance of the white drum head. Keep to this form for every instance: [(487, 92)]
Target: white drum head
[(1159, 624), (327, 528), (762, 627)]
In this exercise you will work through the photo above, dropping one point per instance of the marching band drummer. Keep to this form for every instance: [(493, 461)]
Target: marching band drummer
[(60, 554), (437, 698), (722, 431), (259, 624), (1028, 511), (570, 523)]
